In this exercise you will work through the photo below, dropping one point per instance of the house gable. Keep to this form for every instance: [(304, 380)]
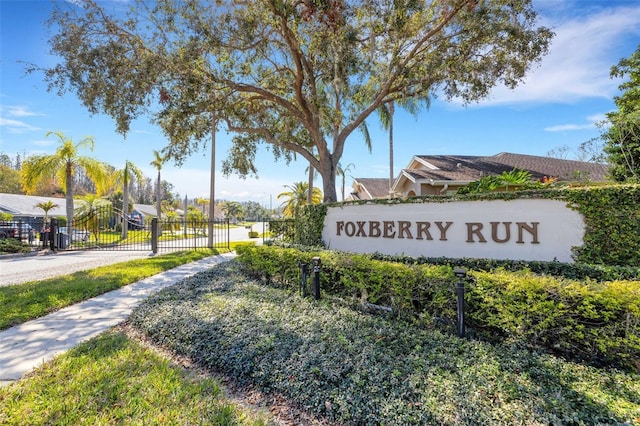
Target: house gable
[(369, 188), (439, 174)]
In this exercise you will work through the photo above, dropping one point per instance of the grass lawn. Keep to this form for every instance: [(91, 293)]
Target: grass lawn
[(110, 380), (23, 302)]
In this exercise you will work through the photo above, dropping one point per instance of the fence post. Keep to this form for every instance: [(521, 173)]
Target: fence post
[(53, 235), (154, 235)]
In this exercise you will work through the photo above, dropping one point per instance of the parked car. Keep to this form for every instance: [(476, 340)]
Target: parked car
[(134, 221), (27, 232), (8, 231), (18, 230), (78, 234)]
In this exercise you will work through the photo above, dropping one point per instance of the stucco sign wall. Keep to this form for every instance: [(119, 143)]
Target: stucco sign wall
[(514, 229)]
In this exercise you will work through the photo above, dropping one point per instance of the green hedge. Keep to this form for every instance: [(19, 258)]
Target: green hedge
[(611, 214), (577, 271), (598, 322), (612, 222)]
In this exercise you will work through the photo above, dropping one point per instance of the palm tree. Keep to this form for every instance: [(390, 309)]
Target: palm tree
[(386, 120), (63, 165), (386, 112), (298, 196), (172, 221), (342, 172), (195, 217), (202, 202), (45, 206), (158, 162), (124, 177), (95, 210), (232, 209)]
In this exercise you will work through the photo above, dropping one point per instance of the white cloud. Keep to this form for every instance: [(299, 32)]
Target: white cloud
[(580, 57), (19, 111), (16, 126), (567, 127), (591, 123)]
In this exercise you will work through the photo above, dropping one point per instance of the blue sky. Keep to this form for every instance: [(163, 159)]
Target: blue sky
[(558, 105)]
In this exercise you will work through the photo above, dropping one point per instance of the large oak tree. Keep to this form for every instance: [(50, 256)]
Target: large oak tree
[(298, 75)]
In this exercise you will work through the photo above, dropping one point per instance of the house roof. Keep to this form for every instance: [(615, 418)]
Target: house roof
[(145, 209), (369, 188), (554, 167), (25, 205), (472, 168)]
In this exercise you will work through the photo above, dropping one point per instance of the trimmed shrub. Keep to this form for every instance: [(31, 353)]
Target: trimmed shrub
[(598, 322), (595, 322)]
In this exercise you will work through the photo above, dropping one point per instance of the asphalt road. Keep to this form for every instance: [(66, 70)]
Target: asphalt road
[(17, 269)]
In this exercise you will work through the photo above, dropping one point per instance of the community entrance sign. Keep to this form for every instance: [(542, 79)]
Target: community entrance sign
[(533, 229)]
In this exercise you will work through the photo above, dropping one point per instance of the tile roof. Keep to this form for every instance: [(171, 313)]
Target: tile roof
[(373, 187), (471, 168), (556, 167)]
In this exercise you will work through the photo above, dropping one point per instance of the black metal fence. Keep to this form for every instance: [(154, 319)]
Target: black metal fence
[(27, 230), (174, 235), (109, 229)]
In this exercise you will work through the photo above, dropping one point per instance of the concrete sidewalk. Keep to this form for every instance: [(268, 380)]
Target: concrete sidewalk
[(28, 345)]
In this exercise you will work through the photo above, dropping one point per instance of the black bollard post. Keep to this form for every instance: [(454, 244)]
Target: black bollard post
[(316, 278), (461, 274), (53, 235), (154, 235), (303, 283)]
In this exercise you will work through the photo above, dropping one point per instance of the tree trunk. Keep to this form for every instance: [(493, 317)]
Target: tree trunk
[(69, 198), (328, 174), (212, 183), (310, 185), (159, 204), (125, 208), (391, 176)]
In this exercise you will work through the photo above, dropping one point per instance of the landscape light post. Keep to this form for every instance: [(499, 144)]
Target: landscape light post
[(460, 273), (316, 278), (303, 283)]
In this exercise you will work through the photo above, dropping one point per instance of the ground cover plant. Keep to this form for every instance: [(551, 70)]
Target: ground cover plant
[(354, 367), (582, 319), (112, 379), (23, 302)]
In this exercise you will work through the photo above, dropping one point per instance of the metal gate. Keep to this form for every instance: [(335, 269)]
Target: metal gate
[(107, 228)]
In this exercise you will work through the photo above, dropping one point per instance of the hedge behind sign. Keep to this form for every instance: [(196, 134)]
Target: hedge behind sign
[(611, 217)]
